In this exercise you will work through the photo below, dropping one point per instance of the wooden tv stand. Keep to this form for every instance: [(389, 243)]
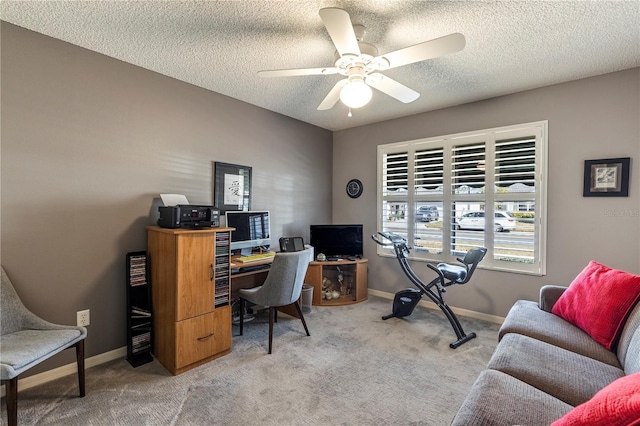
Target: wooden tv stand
[(345, 278)]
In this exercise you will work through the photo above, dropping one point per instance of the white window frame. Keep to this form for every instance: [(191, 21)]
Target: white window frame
[(537, 129)]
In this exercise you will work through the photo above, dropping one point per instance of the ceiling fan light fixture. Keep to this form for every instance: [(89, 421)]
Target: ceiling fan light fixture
[(360, 63), (356, 93)]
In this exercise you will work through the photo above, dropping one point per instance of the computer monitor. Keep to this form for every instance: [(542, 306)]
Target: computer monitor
[(252, 230)]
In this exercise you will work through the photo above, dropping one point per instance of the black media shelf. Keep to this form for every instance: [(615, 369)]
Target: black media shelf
[(138, 309)]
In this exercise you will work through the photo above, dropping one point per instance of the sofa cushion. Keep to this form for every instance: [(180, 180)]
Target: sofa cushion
[(526, 318), (565, 375), (616, 405), (499, 399), (598, 301)]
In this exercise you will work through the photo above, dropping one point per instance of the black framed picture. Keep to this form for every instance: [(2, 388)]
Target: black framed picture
[(232, 187), (607, 177)]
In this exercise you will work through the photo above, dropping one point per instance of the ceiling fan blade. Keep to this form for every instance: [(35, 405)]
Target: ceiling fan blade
[(333, 96), (427, 50), (340, 30), (392, 88), (297, 72)]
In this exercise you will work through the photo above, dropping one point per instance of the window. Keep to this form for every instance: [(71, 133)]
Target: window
[(439, 192)]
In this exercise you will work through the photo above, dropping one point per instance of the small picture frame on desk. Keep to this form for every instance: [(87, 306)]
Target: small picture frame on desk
[(232, 187), (606, 178)]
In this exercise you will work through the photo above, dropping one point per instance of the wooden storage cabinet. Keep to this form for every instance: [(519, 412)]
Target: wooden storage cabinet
[(190, 288), (346, 277)]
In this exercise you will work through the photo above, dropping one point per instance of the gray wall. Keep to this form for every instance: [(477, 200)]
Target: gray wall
[(588, 119), (89, 141)]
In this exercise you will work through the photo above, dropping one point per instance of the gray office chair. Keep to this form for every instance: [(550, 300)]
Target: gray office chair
[(26, 340), (282, 287)]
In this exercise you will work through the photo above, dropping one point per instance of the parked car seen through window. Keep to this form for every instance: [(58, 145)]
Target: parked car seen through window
[(427, 214), (475, 221)]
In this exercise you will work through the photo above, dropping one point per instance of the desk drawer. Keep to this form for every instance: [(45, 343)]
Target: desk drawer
[(203, 336)]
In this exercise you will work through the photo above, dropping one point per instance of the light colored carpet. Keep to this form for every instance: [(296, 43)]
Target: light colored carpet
[(355, 369)]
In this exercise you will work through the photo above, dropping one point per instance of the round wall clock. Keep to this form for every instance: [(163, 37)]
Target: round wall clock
[(354, 188)]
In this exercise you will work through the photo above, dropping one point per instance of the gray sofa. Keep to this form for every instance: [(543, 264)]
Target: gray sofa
[(544, 366)]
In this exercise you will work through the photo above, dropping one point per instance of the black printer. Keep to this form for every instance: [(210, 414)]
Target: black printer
[(186, 216)]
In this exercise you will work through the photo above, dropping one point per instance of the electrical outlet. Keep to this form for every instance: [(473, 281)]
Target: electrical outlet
[(83, 317)]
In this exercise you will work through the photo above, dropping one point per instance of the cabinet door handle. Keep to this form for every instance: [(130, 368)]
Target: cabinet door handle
[(203, 338), (211, 272)]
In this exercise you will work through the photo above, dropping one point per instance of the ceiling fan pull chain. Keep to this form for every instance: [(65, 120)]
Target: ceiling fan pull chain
[(349, 115)]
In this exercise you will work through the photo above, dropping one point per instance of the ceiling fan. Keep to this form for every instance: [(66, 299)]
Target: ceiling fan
[(360, 63)]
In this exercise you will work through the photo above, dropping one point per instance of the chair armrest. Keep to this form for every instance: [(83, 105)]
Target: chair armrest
[(549, 295)]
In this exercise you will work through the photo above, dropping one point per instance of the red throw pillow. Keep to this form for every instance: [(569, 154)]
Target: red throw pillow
[(616, 405), (598, 301)]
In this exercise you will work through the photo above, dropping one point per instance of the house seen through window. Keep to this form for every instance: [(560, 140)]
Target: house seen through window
[(440, 194)]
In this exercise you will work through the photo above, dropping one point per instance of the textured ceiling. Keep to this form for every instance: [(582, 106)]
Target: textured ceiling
[(511, 46)]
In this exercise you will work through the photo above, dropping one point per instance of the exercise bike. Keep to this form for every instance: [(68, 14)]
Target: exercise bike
[(406, 300)]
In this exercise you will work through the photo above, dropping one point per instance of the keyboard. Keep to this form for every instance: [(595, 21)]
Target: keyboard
[(253, 268), (256, 257)]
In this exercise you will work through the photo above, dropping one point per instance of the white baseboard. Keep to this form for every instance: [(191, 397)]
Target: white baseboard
[(458, 311), (66, 370)]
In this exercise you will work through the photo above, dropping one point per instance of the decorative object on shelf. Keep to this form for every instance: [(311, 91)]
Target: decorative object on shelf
[(335, 290), (326, 284), (354, 188), (321, 257), (232, 187), (328, 289), (606, 178), (343, 288)]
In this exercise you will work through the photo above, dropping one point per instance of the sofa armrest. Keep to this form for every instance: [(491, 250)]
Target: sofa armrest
[(549, 295)]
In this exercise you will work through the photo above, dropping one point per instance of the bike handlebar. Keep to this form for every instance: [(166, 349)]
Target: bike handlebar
[(391, 239)]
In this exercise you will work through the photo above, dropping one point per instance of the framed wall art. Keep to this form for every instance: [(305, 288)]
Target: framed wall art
[(606, 178), (232, 187)]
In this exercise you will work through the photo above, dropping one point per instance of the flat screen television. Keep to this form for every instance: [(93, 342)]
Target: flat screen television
[(337, 241), (252, 230)]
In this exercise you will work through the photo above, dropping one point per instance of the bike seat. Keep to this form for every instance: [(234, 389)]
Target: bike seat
[(461, 274), (454, 273)]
